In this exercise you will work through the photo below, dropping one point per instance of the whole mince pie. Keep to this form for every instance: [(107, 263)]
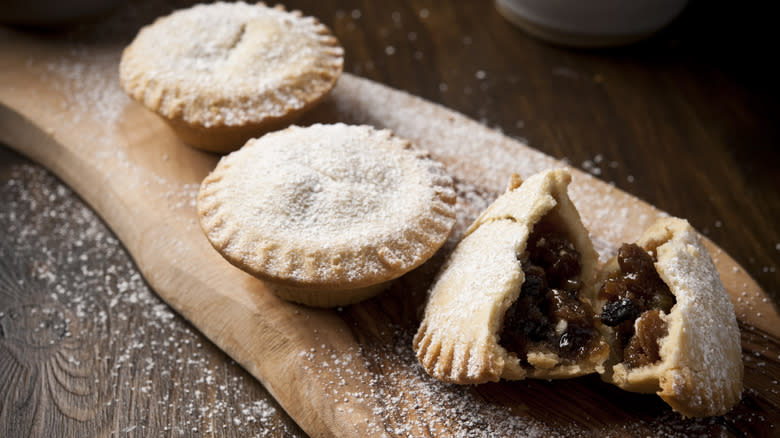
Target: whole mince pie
[(327, 215), (222, 73), (514, 299), (672, 327)]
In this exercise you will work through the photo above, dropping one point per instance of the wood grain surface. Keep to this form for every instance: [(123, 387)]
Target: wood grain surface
[(647, 119)]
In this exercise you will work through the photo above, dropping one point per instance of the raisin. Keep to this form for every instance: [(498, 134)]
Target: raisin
[(629, 295), (641, 278), (556, 254), (535, 283), (624, 332), (526, 319), (612, 289), (572, 286), (632, 258), (643, 348), (565, 267), (570, 309), (616, 312)]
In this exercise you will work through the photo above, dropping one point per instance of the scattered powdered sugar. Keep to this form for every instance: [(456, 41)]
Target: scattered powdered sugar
[(87, 78), (471, 202), (72, 301), (407, 402), (593, 166), (90, 104)]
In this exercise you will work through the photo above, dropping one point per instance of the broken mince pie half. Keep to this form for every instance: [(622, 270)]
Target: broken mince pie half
[(673, 328), (514, 298)]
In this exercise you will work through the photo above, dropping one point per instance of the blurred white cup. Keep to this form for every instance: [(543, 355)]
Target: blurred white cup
[(591, 23)]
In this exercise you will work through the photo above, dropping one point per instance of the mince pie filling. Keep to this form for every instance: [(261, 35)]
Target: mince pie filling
[(549, 315), (635, 297)]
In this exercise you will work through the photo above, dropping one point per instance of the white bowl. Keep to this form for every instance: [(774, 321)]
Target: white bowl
[(590, 23)]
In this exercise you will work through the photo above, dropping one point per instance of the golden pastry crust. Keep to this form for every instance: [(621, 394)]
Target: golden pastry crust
[(329, 213), (458, 339), (223, 73), (700, 368)]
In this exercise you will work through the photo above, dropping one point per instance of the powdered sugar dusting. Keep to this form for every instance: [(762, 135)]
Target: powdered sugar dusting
[(407, 402), (471, 202), (102, 322), (85, 80), (88, 79)]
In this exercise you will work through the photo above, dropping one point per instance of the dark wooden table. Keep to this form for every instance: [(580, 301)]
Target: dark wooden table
[(686, 121)]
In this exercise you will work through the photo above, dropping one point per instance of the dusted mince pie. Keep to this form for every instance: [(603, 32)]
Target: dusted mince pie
[(222, 73), (514, 298), (327, 215), (673, 328)]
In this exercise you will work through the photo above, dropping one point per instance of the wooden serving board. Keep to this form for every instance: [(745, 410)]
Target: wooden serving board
[(348, 371)]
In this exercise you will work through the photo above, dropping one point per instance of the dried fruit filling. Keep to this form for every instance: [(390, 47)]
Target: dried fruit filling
[(635, 298), (548, 315)]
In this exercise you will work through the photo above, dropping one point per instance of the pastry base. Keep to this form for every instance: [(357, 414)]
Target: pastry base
[(315, 297), (225, 139)]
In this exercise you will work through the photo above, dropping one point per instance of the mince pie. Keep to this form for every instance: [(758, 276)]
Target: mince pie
[(222, 73), (327, 215)]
